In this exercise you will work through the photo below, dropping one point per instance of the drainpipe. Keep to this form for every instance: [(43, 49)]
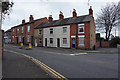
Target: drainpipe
[(76, 36)]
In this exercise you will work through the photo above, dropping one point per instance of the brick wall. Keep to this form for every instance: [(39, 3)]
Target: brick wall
[(1, 42), (104, 44)]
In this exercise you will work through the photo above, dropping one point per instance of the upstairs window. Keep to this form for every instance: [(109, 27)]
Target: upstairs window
[(64, 29), (40, 31), (13, 30), (28, 28), (17, 30), (80, 28), (51, 31), (22, 29)]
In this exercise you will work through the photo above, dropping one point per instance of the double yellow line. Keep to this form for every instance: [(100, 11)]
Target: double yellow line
[(49, 70)]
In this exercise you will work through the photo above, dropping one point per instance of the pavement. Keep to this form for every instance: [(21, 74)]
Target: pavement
[(18, 66), (97, 50)]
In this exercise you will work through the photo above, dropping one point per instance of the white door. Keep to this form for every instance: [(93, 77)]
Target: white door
[(35, 42)]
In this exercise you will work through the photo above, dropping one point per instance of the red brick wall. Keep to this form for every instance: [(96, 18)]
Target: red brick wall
[(86, 33), (25, 32), (104, 44)]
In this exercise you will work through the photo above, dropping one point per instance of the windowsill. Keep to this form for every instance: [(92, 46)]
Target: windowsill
[(81, 45), (81, 33)]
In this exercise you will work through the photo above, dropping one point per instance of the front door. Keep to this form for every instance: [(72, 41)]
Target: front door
[(23, 40), (35, 42), (58, 42), (73, 42), (45, 41), (17, 40)]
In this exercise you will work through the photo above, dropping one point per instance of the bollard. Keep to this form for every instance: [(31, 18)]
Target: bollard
[(30, 46), (21, 45)]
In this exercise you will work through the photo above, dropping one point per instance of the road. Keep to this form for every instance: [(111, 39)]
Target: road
[(74, 66)]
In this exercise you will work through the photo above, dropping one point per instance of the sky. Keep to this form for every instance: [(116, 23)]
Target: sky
[(22, 9)]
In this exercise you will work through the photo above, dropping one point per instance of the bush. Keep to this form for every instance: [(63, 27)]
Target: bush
[(114, 41)]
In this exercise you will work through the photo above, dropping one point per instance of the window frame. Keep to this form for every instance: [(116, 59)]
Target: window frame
[(51, 42), (79, 27), (22, 30), (51, 30), (17, 30), (19, 38), (64, 30), (64, 40), (81, 44), (28, 38), (40, 31), (28, 29), (40, 40)]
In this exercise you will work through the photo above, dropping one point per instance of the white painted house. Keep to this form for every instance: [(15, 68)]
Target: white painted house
[(57, 36)]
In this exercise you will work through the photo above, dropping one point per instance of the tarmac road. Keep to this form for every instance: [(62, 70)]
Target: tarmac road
[(75, 66)]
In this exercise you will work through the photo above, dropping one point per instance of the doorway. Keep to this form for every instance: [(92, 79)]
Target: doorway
[(46, 42), (17, 40), (35, 42), (58, 42), (73, 42), (23, 40)]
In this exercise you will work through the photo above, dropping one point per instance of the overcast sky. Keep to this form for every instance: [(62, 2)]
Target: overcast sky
[(43, 8)]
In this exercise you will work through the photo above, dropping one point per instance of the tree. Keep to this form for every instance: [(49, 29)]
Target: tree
[(108, 18), (6, 8)]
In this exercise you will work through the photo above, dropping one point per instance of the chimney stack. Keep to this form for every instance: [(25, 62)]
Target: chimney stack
[(90, 11), (61, 16), (23, 21), (74, 13), (50, 18), (31, 18)]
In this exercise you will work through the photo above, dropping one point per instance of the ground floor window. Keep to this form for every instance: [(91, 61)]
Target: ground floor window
[(81, 41), (13, 38), (64, 40), (19, 38), (28, 38), (40, 41), (51, 40)]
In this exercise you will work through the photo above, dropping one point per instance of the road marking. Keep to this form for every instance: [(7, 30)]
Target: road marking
[(42, 65)]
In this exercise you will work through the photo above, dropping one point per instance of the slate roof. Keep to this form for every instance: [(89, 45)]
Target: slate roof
[(28, 22), (65, 21)]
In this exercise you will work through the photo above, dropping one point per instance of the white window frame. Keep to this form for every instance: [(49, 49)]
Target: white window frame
[(50, 40), (22, 29), (28, 38), (64, 29), (51, 30), (40, 40), (64, 40), (80, 26), (19, 38), (17, 30), (80, 38), (40, 31), (13, 38), (28, 28), (13, 30)]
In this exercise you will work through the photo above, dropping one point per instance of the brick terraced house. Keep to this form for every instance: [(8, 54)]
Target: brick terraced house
[(24, 33), (72, 32)]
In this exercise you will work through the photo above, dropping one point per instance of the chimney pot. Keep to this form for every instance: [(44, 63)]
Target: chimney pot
[(50, 18), (31, 18), (90, 11), (23, 21), (74, 13), (61, 16)]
